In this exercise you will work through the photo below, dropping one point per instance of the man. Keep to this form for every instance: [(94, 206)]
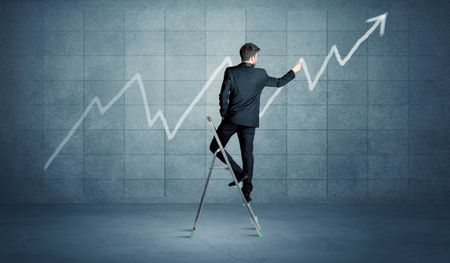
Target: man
[(239, 101)]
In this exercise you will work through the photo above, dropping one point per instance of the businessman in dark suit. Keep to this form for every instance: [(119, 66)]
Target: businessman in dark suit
[(239, 101)]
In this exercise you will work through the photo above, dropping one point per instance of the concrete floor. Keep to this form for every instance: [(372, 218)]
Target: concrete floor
[(159, 233)]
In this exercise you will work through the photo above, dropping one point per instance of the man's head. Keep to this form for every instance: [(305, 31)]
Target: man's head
[(249, 52)]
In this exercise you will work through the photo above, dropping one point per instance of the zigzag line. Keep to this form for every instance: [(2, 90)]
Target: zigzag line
[(379, 21)]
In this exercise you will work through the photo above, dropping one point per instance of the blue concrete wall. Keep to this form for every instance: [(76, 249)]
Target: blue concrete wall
[(376, 130)]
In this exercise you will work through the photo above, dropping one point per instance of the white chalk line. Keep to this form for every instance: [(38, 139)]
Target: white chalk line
[(378, 21)]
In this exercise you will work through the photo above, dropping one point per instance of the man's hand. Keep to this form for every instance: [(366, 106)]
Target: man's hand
[(297, 67)]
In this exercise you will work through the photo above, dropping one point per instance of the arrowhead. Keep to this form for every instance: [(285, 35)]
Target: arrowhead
[(381, 20)]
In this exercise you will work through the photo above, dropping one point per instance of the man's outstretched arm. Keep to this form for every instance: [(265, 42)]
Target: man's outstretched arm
[(280, 82), (224, 94)]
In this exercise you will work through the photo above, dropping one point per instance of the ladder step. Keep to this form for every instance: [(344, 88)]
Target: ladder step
[(219, 167)]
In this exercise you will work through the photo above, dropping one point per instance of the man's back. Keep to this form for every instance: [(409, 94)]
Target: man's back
[(241, 89), (239, 107)]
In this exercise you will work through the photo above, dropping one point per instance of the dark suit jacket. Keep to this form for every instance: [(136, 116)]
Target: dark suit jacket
[(239, 97)]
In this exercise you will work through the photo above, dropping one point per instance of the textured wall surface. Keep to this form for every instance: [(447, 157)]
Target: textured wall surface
[(375, 130)]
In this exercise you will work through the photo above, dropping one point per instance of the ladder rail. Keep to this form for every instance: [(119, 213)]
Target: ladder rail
[(199, 210)]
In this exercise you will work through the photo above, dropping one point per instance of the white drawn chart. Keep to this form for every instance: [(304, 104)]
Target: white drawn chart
[(378, 21)]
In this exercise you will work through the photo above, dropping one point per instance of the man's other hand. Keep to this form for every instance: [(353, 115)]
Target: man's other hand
[(297, 67)]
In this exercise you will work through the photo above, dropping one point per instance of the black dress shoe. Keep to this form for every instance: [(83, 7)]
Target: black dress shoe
[(247, 197), (239, 180), (246, 193)]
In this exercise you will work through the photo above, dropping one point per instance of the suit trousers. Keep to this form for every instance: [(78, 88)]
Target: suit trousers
[(246, 135)]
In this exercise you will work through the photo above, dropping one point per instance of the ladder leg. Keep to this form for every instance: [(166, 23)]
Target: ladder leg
[(246, 204), (249, 208), (254, 218), (197, 217)]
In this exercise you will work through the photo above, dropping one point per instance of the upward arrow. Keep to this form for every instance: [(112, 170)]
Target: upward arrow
[(96, 102), (378, 21)]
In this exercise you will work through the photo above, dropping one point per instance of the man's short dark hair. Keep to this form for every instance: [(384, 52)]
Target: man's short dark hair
[(248, 50)]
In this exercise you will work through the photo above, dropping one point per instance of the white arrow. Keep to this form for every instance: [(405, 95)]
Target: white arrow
[(379, 21)]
